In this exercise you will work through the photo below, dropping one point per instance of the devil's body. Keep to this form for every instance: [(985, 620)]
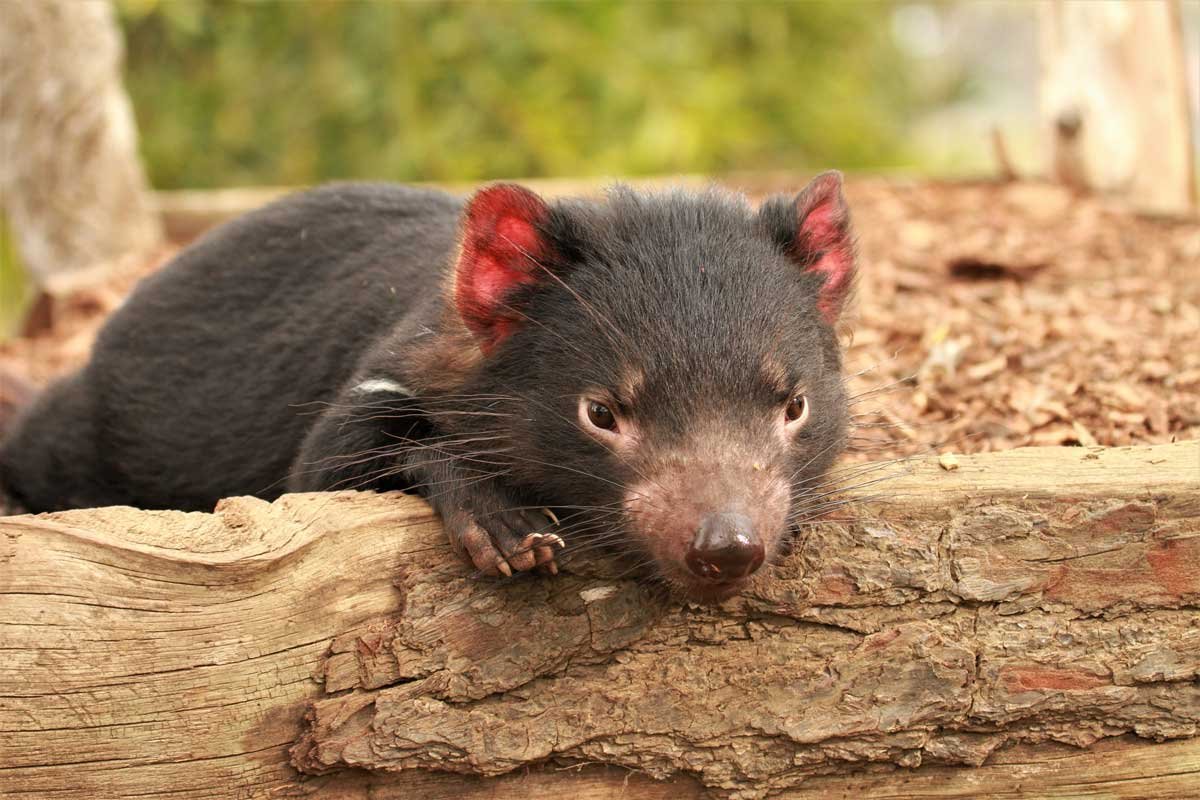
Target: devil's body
[(377, 336), (205, 382)]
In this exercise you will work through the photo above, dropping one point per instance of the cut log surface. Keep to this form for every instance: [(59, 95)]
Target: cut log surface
[(1024, 625)]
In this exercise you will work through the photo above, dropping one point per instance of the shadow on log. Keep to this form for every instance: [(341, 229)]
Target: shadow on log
[(966, 637)]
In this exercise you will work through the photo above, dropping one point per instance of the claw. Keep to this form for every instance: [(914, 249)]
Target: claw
[(503, 566), (543, 545), (549, 540)]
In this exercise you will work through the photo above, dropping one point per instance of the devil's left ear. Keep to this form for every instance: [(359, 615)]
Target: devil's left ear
[(503, 249), (813, 230)]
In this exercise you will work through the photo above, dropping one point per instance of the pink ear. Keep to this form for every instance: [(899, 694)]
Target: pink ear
[(501, 251), (824, 242)]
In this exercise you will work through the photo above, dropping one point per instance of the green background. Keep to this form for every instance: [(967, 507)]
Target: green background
[(298, 92), (233, 94)]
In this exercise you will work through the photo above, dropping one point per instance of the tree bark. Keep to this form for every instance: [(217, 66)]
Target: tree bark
[(974, 630), (71, 181)]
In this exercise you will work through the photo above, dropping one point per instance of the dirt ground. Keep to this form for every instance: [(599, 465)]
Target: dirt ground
[(988, 316)]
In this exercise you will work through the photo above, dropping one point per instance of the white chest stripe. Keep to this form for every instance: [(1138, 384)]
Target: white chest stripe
[(381, 386)]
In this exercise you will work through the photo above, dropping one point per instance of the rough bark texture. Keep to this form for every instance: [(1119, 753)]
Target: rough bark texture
[(71, 182), (996, 616)]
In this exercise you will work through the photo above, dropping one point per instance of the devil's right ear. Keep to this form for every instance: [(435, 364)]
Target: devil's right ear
[(503, 248)]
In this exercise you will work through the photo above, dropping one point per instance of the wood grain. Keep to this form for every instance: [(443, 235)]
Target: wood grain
[(1023, 625)]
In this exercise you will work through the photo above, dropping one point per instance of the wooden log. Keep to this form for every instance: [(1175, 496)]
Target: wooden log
[(1024, 624), (187, 213)]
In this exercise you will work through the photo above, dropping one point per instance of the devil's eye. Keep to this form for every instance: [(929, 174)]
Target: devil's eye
[(601, 416), (797, 410)]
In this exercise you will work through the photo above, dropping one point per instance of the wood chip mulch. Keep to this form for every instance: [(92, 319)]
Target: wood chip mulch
[(993, 316)]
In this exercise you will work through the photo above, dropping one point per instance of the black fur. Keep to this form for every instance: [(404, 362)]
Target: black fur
[(232, 370), (205, 382)]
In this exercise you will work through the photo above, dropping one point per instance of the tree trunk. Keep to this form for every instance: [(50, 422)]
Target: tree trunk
[(1114, 98), (70, 178), (975, 629)]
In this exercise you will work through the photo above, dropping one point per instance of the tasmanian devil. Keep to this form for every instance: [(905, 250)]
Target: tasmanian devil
[(659, 372)]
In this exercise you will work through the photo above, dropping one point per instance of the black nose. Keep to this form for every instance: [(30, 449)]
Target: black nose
[(725, 548)]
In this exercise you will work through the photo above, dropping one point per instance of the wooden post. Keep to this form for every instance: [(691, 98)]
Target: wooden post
[(1114, 99), (71, 182), (1026, 620)]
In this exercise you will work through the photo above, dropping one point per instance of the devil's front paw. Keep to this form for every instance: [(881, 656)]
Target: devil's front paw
[(504, 540)]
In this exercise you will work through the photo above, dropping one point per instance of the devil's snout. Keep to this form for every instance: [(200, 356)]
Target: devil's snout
[(726, 548), (709, 524)]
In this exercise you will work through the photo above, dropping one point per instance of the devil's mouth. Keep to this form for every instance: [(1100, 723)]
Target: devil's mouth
[(694, 589), (709, 592)]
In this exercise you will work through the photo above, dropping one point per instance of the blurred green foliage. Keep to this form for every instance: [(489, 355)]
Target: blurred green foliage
[(14, 286), (256, 93)]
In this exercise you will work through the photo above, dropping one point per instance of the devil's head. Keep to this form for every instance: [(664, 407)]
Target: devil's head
[(675, 363)]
